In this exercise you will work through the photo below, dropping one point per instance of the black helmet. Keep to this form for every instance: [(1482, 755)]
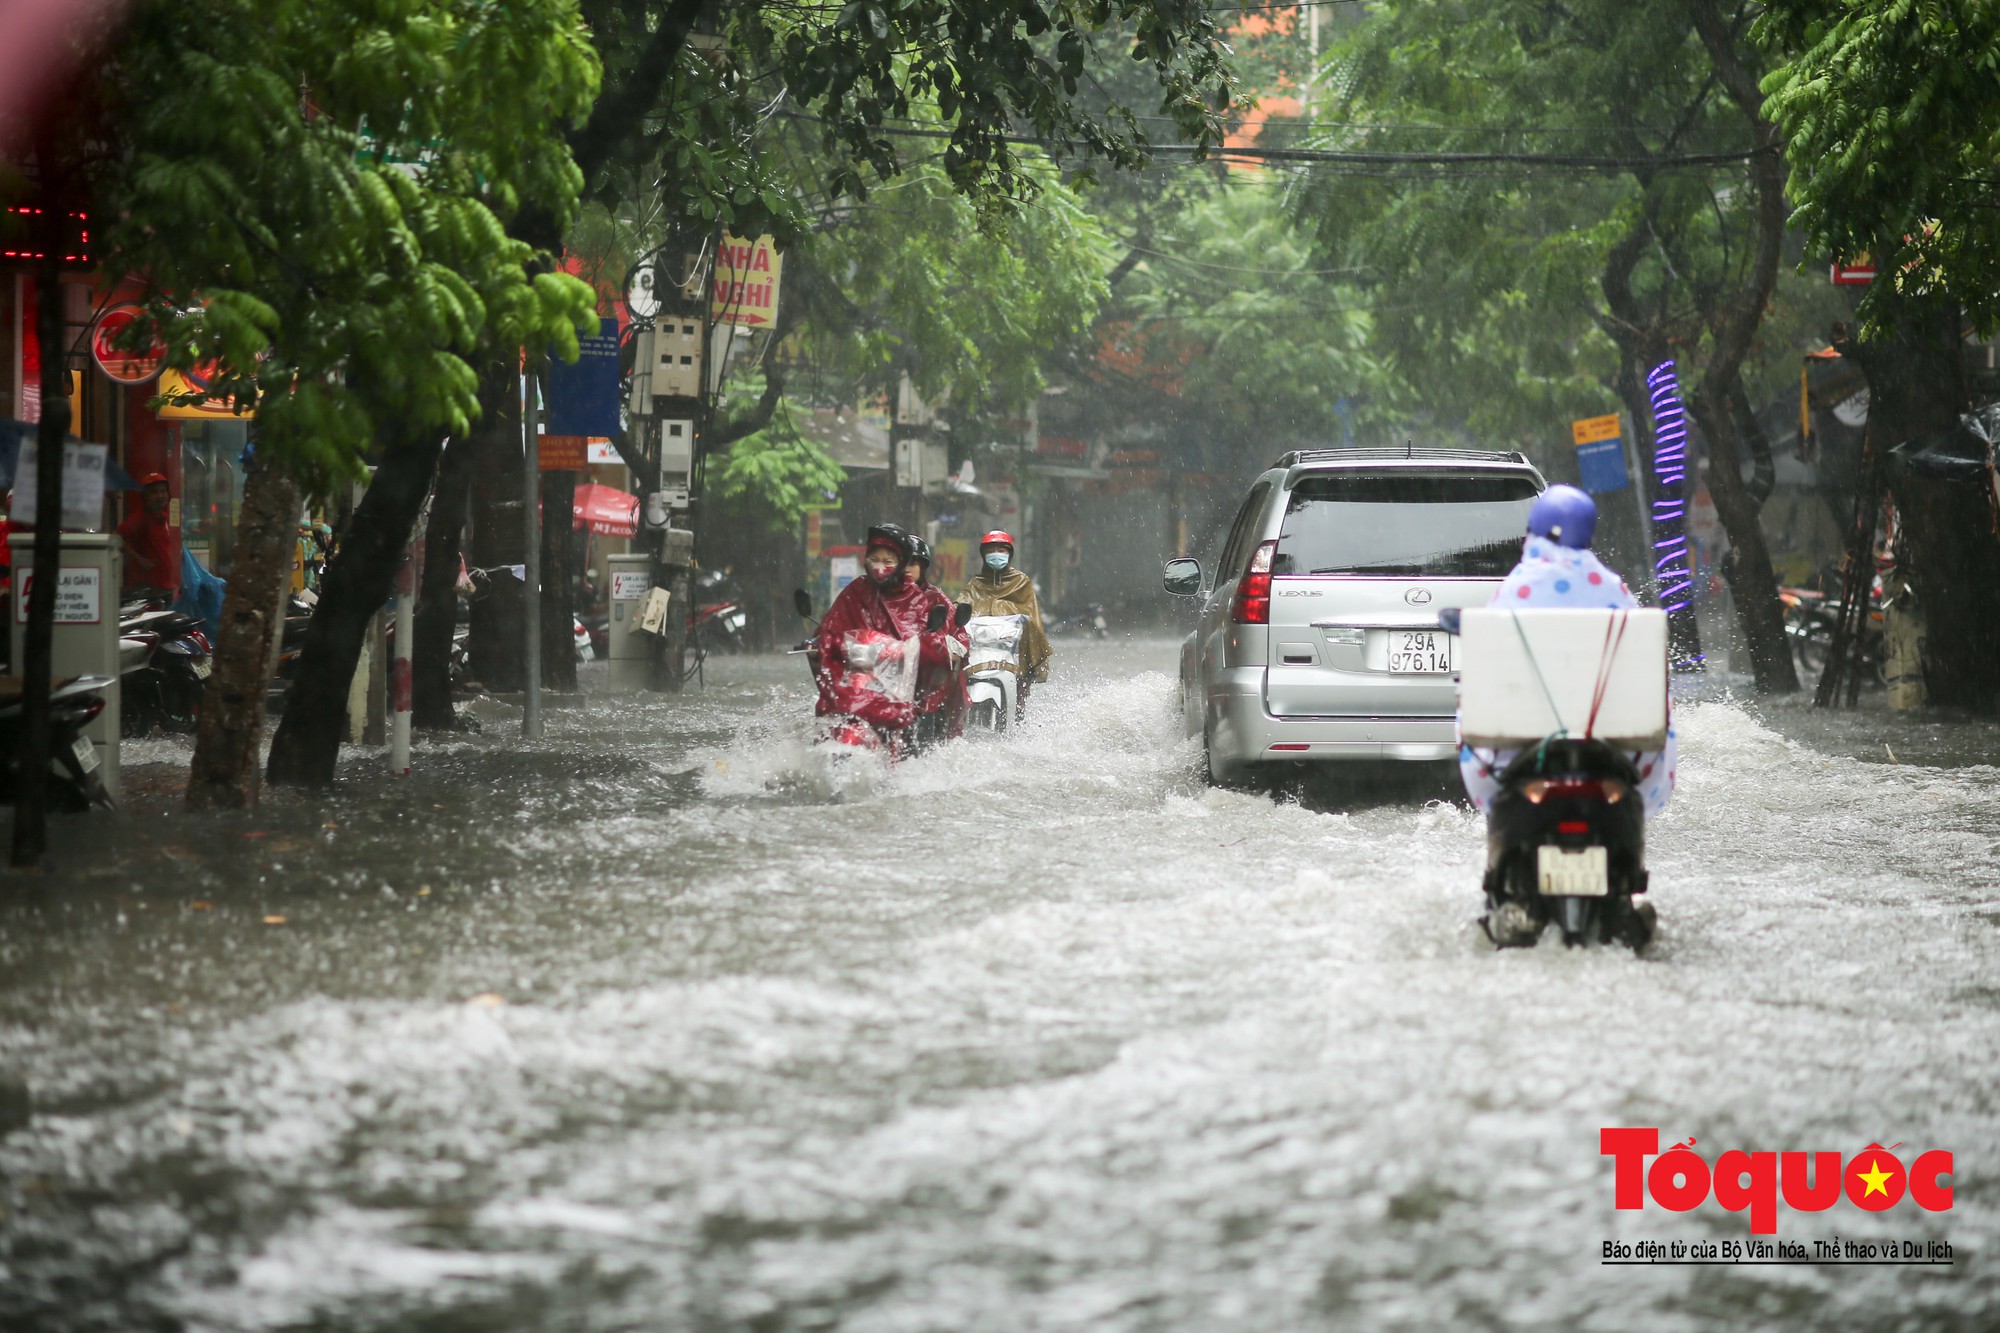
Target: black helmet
[(892, 534), (918, 549)]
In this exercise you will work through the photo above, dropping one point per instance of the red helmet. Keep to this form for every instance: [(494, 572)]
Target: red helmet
[(997, 538)]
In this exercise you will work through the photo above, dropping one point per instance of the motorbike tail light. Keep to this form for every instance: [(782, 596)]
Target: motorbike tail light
[(1569, 826), (201, 641), (88, 709), (1253, 590), (1608, 790)]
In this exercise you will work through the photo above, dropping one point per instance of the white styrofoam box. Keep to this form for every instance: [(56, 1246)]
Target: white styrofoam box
[(1512, 664)]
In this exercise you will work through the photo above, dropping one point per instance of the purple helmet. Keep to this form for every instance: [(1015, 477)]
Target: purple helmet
[(1565, 515)]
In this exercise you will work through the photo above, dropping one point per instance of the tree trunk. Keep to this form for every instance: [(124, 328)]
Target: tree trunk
[(1714, 402), (31, 760), (357, 582), (437, 600), (1917, 386), (494, 645), (226, 773), (1752, 580), (558, 582)]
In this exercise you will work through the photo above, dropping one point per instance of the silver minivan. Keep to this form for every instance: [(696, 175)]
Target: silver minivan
[(1319, 638)]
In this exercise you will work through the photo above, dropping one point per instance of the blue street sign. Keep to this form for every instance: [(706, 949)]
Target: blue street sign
[(1602, 463), (583, 398)]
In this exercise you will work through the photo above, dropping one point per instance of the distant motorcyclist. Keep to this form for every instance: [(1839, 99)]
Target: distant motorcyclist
[(863, 640), (1001, 588), (1558, 569)]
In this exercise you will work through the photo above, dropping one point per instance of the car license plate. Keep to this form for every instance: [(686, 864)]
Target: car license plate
[(1419, 652), (1584, 873), (85, 752)]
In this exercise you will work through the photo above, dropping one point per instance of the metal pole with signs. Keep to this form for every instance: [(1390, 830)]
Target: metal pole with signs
[(531, 607)]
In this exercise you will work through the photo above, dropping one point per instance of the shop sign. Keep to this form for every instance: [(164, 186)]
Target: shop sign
[(126, 367), (562, 453), (745, 284), (175, 383)]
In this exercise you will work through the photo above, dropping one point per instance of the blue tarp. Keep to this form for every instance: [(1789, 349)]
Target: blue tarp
[(200, 595)]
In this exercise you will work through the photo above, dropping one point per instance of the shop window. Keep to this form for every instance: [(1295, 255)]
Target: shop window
[(212, 490)]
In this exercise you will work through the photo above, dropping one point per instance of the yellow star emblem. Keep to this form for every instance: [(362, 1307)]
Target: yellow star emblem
[(1876, 1178)]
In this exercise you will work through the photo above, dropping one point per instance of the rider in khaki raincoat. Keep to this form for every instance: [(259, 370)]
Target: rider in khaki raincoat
[(1002, 589)]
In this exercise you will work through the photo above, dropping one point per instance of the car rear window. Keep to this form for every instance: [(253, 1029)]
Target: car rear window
[(1423, 525)]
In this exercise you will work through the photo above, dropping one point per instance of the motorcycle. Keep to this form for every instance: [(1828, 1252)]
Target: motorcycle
[(1089, 621), (718, 620), (1566, 842), (993, 671), (1574, 694), (76, 774), (878, 690), (164, 662)]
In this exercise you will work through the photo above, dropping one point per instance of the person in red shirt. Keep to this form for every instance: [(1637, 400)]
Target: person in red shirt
[(152, 545)]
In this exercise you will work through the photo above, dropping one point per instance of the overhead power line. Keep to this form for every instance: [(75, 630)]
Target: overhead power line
[(1367, 158)]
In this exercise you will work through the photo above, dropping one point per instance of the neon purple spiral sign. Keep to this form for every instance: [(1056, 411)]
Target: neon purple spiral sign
[(1672, 568)]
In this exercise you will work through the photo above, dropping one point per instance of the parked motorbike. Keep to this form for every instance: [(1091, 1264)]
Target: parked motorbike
[(1566, 842), (1090, 621), (164, 662), (76, 774), (717, 622), (993, 671)]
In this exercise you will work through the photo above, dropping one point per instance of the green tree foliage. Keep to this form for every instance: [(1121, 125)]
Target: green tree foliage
[(1891, 111), (909, 281), (315, 196), (1254, 327), (774, 474)]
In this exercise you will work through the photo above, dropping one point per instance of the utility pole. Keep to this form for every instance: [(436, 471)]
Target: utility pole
[(531, 607)]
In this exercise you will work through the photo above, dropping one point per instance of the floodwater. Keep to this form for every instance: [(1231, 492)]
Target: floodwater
[(660, 1023)]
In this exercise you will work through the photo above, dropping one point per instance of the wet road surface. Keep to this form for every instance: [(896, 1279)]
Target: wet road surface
[(664, 1023)]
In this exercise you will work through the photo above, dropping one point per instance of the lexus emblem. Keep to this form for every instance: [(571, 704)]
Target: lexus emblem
[(1418, 597)]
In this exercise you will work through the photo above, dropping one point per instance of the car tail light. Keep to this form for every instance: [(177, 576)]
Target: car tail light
[(1292, 745), (1253, 590)]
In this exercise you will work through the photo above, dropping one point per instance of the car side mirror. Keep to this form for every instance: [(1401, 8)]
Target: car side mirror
[(1183, 577), (961, 613), (935, 621), (802, 603)]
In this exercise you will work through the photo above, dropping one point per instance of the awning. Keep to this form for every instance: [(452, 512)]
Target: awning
[(606, 510)]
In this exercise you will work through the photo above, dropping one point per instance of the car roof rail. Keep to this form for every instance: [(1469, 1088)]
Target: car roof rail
[(1408, 453)]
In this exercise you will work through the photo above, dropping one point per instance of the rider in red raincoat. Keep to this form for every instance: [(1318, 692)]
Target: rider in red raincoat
[(878, 614), (940, 690)]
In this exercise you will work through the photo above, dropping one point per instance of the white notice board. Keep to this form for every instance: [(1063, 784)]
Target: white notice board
[(79, 596)]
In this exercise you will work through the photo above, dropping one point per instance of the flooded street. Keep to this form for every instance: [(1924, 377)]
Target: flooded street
[(663, 1023)]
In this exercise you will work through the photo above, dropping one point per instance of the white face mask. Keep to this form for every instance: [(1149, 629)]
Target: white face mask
[(996, 560)]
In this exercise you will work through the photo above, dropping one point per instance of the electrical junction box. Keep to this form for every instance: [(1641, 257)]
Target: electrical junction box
[(909, 462), (677, 357), (936, 460), (676, 448)]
